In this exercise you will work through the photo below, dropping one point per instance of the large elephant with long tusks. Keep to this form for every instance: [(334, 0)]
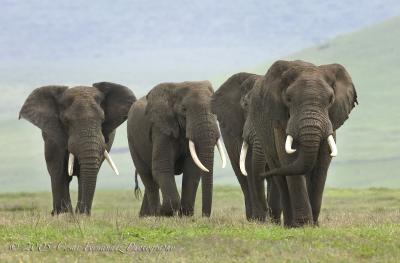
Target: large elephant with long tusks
[(172, 131), (78, 127), (293, 113), (230, 104)]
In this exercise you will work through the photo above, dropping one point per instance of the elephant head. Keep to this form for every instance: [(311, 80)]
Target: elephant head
[(231, 103), (82, 121), (310, 102), (183, 110)]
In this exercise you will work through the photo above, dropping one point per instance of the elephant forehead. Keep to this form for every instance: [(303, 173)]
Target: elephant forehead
[(82, 91), (200, 99)]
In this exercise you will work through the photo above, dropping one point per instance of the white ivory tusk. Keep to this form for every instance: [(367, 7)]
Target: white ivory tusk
[(288, 145), (242, 158), (332, 145), (71, 160), (110, 162), (196, 160), (221, 152)]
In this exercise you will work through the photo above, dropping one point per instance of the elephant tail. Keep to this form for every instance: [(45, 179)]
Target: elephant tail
[(138, 192)]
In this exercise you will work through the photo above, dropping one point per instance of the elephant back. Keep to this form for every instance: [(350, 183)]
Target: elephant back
[(229, 102)]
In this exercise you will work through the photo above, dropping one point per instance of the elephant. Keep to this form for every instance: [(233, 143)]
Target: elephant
[(230, 104), (293, 113), (172, 131), (78, 127)]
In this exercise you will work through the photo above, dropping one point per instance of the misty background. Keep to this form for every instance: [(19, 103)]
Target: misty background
[(142, 43)]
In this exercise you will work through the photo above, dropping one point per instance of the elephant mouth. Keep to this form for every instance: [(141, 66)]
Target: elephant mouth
[(71, 161), (288, 149), (330, 139), (193, 153)]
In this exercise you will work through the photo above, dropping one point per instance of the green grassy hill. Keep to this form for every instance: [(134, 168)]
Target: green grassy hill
[(368, 142)]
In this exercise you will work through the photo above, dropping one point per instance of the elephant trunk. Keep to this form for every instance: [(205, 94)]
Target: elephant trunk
[(204, 133), (206, 155), (90, 158), (311, 130)]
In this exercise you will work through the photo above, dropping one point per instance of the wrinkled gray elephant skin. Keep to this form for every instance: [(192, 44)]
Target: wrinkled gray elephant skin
[(78, 128), (172, 131), (286, 126)]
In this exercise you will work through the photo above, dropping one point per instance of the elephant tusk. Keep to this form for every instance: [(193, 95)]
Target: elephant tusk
[(110, 162), (242, 158), (221, 152), (71, 160), (288, 145), (196, 160), (332, 145)]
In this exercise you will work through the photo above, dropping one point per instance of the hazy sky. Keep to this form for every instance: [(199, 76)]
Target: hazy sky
[(145, 42)]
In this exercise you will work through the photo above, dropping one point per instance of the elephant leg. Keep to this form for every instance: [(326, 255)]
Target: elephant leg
[(61, 196), (150, 203), (79, 204), (163, 171), (190, 183), (286, 207), (56, 160), (233, 150), (300, 201), (151, 198), (245, 189), (274, 202), (256, 183), (145, 208), (317, 181), (170, 195)]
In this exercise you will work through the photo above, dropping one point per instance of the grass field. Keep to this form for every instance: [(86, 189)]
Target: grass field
[(356, 226)]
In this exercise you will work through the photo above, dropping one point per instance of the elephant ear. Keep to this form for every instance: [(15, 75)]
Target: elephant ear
[(228, 102), (268, 95), (117, 102), (345, 93), (159, 108), (41, 108)]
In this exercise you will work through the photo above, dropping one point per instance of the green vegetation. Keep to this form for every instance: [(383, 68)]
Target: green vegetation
[(356, 226)]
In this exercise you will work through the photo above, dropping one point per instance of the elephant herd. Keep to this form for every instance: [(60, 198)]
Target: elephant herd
[(279, 127)]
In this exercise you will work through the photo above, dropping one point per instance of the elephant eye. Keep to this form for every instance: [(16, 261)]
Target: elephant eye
[(288, 98), (331, 99), (183, 109)]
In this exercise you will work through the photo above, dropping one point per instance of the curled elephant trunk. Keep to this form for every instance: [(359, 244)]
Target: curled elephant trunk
[(309, 144)]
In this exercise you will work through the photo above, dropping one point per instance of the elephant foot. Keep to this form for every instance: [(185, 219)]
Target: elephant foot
[(186, 212), (258, 218), (169, 209), (275, 221), (82, 210), (56, 212), (299, 223), (67, 208), (148, 213)]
